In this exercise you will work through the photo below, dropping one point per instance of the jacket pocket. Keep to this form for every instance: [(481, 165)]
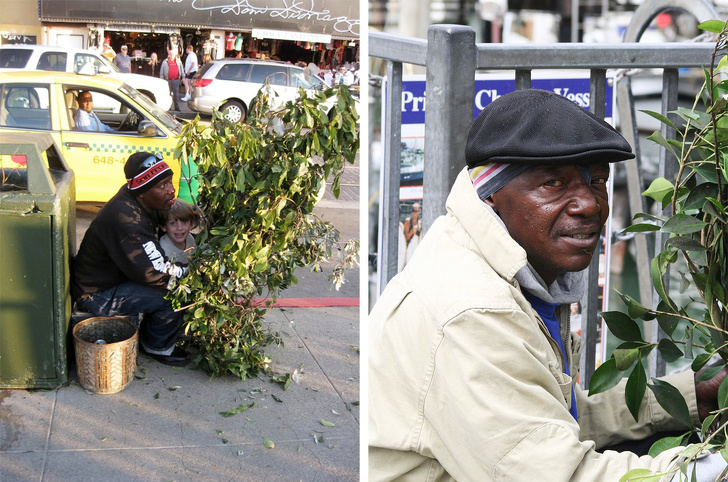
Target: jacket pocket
[(564, 381)]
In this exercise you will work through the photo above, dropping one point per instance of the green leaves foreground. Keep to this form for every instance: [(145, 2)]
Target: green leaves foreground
[(693, 315), (259, 183)]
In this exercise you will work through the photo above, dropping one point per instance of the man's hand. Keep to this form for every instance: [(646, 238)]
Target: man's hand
[(707, 391)]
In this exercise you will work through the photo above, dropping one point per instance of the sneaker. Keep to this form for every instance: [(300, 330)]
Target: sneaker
[(186, 97)]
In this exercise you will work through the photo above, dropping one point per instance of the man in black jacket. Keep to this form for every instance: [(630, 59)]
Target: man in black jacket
[(120, 267)]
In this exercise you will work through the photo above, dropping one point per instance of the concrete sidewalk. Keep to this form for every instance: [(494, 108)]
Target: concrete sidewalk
[(167, 424)]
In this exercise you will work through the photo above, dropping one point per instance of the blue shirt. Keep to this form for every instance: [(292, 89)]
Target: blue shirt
[(89, 122), (547, 312)]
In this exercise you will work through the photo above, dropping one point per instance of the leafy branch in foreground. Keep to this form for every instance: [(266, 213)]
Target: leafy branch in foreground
[(259, 183), (696, 321)]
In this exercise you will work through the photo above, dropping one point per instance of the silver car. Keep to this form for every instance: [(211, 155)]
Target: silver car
[(229, 85)]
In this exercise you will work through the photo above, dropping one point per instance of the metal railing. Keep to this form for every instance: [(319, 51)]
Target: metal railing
[(451, 58)]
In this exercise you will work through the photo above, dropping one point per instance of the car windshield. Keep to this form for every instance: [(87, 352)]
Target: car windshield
[(107, 63), (162, 116)]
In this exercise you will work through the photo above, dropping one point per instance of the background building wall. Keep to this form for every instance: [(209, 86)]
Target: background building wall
[(19, 17)]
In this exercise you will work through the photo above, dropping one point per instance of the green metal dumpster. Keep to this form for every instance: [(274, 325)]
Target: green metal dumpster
[(37, 240)]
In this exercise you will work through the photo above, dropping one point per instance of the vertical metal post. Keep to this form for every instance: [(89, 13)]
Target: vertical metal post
[(666, 169), (590, 303), (635, 185), (451, 62), (523, 79), (389, 248), (574, 20)]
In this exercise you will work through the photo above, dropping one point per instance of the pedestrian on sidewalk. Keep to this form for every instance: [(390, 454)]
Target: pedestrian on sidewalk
[(120, 268), (191, 67), (122, 60), (172, 71)]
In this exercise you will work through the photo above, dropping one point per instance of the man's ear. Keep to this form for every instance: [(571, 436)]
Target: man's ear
[(492, 203)]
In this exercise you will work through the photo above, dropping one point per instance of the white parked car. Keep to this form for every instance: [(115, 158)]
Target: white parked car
[(229, 85), (91, 62)]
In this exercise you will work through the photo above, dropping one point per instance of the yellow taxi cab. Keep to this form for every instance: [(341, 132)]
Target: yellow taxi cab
[(49, 102)]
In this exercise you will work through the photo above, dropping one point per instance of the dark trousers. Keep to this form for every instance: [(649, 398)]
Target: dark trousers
[(174, 87), (160, 325)]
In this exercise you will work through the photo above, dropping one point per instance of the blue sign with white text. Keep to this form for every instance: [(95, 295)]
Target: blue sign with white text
[(487, 90)]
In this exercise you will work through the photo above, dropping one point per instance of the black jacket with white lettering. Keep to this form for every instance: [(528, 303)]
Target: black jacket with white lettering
[(121, 245)]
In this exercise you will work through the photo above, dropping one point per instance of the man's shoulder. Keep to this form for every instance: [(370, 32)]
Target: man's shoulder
[(448, 275)]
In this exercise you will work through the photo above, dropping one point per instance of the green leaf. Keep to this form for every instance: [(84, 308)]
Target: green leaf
[(641, 475), (685, 244), (240, 181), (714, 26), (625, 358), (641, 228), (268, 443), (723, 393), (327, 424), (698, 194), (634, 308), (705, 428), (700, 361), (683, 224), (660, 189), (635, 389), (658, 267), (666, 443), (658, 138), (605, 377), (657, 219), (622, 326), (709, 373), (669, 350), (671, 400), (660, 118), (239, 409)]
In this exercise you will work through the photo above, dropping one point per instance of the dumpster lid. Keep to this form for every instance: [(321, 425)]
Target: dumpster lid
[(32, 145)]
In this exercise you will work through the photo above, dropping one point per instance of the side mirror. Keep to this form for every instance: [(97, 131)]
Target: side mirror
[(148, 129)]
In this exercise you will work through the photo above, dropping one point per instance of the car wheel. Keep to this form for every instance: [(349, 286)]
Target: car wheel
[(233, 111)]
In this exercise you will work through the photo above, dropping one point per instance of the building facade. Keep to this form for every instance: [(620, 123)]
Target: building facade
[(323, 32)]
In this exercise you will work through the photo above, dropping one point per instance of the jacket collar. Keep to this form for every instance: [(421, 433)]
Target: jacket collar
[(491, 238)]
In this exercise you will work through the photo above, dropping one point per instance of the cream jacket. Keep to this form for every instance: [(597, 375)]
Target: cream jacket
[(465, 382)]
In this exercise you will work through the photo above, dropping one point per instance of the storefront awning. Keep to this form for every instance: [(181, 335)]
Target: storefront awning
[(293, 36), (338, 19)]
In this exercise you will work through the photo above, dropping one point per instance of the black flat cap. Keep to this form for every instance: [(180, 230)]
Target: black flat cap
[(540, 127)]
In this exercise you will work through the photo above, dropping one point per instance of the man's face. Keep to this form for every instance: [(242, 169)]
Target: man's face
[(555, 216), (86, 102), (160, 196)]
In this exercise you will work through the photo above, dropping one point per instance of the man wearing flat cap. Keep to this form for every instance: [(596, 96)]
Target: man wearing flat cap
[(120, 268), (472, 365)]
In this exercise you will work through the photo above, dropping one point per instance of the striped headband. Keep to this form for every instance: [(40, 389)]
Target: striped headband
[(491, 177), (152, 170)]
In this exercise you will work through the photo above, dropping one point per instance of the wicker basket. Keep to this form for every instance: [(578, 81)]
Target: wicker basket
[(106, 352)]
